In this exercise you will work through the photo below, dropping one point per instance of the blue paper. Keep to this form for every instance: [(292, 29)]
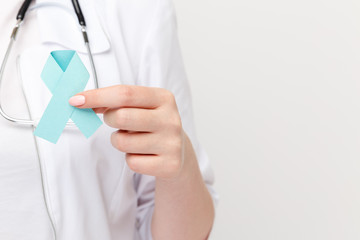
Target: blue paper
[(65, 75)]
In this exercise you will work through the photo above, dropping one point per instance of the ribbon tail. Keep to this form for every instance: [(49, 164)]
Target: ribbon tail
[(53, 122)]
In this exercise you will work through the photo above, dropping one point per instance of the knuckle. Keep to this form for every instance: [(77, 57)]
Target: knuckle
[(177, 145), (122, 117), (126, 93), (170, 120), (175, 124), (168, 96)]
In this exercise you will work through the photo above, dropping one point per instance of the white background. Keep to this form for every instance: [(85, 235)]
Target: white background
[(276, 88)]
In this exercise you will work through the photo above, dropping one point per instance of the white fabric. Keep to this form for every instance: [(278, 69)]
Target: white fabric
[(91, 192)]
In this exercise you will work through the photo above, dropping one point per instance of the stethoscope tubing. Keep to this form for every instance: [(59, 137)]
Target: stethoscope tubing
[(29, 122)]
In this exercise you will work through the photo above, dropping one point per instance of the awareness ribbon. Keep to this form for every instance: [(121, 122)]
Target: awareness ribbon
[(65, 75)]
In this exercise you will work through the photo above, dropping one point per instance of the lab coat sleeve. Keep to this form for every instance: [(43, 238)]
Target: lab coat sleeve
[(161, 65)]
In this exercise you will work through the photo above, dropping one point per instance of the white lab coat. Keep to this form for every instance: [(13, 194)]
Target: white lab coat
[(91, 192)]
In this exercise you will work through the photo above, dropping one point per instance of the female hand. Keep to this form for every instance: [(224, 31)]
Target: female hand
[(148, 123)]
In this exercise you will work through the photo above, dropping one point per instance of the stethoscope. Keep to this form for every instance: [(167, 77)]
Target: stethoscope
[(20, 18), (29, 122)]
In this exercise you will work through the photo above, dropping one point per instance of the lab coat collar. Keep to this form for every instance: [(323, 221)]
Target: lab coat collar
[(58, 24)]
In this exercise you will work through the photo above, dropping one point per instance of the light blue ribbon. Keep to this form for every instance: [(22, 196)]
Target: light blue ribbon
[(65, 75)]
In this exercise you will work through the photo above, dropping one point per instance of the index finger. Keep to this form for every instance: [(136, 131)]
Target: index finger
[(118, 96)]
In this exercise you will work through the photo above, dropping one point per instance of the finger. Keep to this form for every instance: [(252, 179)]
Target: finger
[(142, 143), (153, 165), (119, 96), (144, 164), (132, 119)]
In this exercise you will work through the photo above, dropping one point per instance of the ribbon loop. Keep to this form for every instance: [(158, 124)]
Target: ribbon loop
[(65, 75)]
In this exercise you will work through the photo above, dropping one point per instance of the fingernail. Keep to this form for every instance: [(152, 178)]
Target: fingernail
[(77, 100)]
